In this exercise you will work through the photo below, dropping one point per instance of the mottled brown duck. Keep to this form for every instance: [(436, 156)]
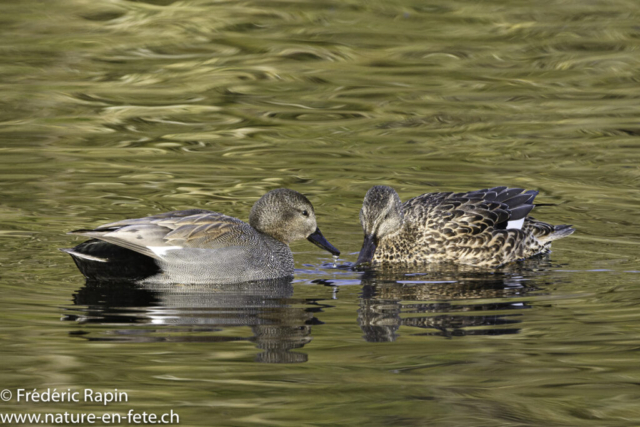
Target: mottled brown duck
[(483, 228)]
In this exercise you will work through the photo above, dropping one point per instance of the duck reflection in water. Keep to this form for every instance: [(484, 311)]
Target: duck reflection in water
[(450, 302), (195, 313)]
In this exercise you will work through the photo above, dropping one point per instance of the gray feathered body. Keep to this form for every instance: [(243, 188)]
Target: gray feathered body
[(468, 228), (192, 246)]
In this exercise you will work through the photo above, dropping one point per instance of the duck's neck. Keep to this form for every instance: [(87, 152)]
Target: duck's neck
[(272, 234)]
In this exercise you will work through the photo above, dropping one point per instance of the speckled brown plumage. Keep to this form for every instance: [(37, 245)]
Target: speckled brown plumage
[(478, 228)]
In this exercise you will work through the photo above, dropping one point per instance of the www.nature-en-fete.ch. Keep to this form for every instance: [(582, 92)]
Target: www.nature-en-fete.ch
[(89, 418), (71, 396)]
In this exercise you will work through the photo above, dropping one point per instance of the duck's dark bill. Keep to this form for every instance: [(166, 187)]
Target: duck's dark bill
[(318, 239), (367, 251)]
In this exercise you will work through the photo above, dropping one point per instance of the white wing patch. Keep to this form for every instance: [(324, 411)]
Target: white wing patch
[(517, 225), (162, 250)]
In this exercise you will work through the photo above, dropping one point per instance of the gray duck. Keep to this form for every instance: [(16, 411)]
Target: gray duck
[(483, 228), (201, 246)]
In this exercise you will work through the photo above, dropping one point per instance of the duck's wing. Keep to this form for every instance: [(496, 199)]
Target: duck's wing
[(151, 219), (155, 235), (472, 213), (210, 231)]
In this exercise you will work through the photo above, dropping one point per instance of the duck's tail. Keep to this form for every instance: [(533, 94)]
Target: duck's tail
[(546, 233), (79, 255), (103, 261), (558, 232)]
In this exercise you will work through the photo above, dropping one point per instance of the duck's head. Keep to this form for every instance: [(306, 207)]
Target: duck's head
[(287, 215), (381, 215)]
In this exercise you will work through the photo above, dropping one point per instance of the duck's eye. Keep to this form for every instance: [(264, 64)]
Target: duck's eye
[(305, 213)]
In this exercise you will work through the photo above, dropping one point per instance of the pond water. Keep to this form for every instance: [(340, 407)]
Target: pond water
[(122, 109)]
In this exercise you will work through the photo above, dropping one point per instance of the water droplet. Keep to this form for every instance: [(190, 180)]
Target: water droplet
[(335, 261)]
